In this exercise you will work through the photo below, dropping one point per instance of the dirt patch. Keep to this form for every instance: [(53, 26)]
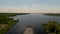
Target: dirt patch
[(2, 26)]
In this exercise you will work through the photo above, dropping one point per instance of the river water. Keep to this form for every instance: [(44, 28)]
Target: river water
[(34, 20)]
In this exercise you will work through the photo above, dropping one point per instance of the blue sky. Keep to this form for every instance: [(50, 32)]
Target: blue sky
[(29, 5)]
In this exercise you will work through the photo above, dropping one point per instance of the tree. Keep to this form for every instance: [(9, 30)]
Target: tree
[(52, 27)]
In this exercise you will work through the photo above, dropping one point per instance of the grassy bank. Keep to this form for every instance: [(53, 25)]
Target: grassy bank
[(6, 23), (9, 25), (9, 22)]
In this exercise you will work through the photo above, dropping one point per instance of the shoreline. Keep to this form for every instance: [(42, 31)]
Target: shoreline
[(10, 25)]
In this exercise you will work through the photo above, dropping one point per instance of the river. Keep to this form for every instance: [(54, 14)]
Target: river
[(35, 20)]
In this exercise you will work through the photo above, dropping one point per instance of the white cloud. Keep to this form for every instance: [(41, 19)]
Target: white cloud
[(25, 6), (30, 10), (34, 5), (9, 7), (48, 5)]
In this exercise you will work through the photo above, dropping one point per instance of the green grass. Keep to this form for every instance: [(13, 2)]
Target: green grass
[(9, 22), (9, 25)]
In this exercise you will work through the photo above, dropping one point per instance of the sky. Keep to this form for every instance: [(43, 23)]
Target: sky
[(30, 6)]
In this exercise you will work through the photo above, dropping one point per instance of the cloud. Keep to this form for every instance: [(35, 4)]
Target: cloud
[(29, 10), (48, 5), (25, 6), (34, 5)]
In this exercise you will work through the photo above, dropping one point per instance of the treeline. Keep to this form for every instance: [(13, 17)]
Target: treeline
[(52, 14), (15, 13)]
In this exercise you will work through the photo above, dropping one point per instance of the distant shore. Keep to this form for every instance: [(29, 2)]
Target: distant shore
[(52, 14)]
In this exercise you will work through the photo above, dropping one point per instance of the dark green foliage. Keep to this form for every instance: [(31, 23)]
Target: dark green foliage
[(4, 17), (52, 27), (9, 22), (52, 14)]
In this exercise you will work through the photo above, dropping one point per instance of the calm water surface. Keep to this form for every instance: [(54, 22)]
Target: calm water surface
[(35, 20)]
